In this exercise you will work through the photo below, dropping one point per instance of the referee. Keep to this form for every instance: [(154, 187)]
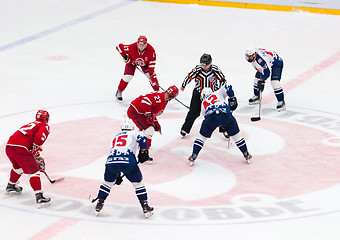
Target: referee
[(206, 75)]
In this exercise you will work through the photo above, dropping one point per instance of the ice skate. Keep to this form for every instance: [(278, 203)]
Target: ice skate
[(248, 157), (119, 96), (13, 188), (99, 206), (183, 133), (42, 201), (147, 210), (254, 100), (281, 105), (192, 159), (149, 161)]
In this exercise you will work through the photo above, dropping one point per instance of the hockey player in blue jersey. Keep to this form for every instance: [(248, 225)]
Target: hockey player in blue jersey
[(267, 64), (122, 159), (217, 113)]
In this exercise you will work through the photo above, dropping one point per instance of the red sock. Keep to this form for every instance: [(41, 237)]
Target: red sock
[(35, 182), (122, 85), (14, 177)]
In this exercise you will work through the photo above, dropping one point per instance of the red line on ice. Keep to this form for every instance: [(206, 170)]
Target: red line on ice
[(53, 229), (305, 76)]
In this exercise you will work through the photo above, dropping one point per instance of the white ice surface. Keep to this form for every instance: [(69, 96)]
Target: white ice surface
[(60, 55)]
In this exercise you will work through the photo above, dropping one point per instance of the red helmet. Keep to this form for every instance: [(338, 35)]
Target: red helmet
[(173, 91), (142, 40), (42, 116)]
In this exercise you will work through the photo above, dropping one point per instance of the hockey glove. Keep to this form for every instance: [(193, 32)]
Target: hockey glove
[(143, 155), (127, 58), (119, 179), (156, 126), (36, 150), (151, 119), (154, 82), (41, 163), (260, 85), (232, 102)]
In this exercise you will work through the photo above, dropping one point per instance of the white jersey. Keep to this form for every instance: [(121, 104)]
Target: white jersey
[(264, 62), (216, 100), (127, 142)]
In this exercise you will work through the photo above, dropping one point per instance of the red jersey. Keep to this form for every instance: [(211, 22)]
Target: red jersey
[(145, 59), (150, 103), (34, 132)]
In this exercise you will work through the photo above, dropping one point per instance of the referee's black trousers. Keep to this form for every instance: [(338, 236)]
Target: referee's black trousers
[(194, 111)]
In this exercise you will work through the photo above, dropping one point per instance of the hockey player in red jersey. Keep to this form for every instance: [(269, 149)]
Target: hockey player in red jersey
[(145, 109), (142, 54), (23, 150)]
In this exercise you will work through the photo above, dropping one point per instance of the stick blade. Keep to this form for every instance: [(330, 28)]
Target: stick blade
[(57, 180), (255, 119)]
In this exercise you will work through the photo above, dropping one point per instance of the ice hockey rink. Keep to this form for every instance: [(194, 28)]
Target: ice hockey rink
[(60, 56)]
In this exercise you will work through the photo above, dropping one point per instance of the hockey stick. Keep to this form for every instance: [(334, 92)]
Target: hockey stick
[(163, 88), (55, 180), (255, 119)]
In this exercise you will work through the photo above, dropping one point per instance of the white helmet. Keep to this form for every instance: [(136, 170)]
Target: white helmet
[(250, 51), (205, 92), (128, 124)]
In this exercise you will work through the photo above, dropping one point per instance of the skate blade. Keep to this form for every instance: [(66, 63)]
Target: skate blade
[(281, 109), (148, 214), (42, 205), (191, 163), (97, 213), (148, 162), (12, 193), (249, 161), (254, 103)]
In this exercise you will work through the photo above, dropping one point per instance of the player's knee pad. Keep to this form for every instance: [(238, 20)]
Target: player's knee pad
[(127, 78), (18, 171), (108, 184), (149, 132), (202, 138), (138, 185), (276, 84), (256, 80), (237, 137), (36, 174)]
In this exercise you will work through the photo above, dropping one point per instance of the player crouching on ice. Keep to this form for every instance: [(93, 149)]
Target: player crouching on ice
[(122, 159), (217, 113), (145, 109), (23, 150)]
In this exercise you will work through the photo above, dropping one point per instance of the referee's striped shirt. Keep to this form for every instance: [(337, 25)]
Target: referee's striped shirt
[(214, 78)]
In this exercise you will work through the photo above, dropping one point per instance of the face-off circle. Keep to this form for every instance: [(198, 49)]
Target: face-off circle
[(290, 161)]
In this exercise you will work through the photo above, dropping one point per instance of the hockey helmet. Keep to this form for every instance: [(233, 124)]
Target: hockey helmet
[(205, 59), (42, 116), (142, 40), (172, 91), (250, 52), (205, 92), (127, 124)]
